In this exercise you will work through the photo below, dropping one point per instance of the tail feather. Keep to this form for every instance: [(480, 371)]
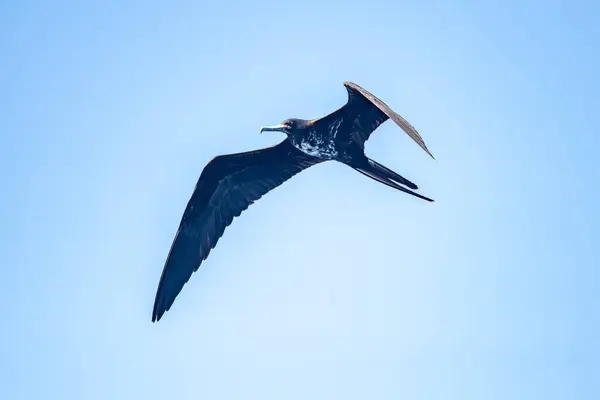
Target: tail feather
[(383, 170), (384, 175)]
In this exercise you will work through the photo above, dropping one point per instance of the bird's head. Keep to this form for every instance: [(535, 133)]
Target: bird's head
[(289, 126)]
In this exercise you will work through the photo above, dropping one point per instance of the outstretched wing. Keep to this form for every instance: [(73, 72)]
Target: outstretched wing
[(369, 112), (226, 187)]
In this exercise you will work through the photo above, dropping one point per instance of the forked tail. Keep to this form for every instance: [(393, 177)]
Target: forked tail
[(382, 174)]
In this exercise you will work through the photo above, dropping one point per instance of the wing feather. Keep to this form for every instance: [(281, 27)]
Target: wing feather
[(228, 185), (374, 114)]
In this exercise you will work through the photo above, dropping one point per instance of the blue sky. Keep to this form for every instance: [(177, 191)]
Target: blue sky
[(331, 286)]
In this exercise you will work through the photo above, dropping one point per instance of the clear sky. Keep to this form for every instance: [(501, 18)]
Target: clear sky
[(332, 286)]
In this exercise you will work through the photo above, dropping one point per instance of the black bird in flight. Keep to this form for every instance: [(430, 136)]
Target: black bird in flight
[(230, 183)]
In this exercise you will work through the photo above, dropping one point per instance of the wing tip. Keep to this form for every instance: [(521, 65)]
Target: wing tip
[(421, 142), (430, 155), (156, 318), (156, 312)]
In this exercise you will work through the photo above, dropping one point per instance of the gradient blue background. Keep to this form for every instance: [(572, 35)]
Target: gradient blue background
[(332, 286)]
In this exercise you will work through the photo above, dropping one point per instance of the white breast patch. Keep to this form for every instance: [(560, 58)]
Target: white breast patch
[(318, 146)]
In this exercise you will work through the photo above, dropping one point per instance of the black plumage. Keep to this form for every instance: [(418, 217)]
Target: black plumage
[(230, 183)]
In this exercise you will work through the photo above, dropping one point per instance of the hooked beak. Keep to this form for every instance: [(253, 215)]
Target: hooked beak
[(274, 128)]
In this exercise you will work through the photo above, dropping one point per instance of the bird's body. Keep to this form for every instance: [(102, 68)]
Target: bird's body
[(318, 144), (230, 183)]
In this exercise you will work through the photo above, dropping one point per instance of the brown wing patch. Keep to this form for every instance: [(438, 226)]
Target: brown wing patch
[(355, 91)]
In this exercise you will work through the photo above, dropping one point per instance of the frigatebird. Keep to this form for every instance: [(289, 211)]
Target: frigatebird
[(229, 183)]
